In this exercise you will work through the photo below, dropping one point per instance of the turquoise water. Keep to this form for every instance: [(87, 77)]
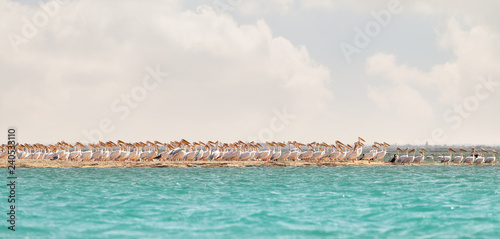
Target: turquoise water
[(385, 202)]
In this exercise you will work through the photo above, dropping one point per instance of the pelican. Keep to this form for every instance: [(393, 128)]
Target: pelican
[(38, 151), (402, 158), (215, 155), (380, 155), (409, 159), (285, 155), (107, 151), (125, 151), (4, 152), (307, 154), (492, 158), (458, 159), (343, 155), (190, 153), (77, 152), (114, 155), (420, 159), (64, 155), (336, 153), (294, 155), (470, 159), (480, 158), (263, 155), (178, 153), (356, 151), (342, 150), (447, 159), (138, 154), (277, 152), (371, 155), (87, 154), (317, 155)]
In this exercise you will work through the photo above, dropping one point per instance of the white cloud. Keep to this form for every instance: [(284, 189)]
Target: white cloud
[(445, 85), (225, 79), (476, 54)]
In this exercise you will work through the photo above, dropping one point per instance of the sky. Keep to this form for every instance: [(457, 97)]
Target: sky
[(277, 70)]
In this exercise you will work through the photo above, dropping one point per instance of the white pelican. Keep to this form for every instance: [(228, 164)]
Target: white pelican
[(38, 154), (216, 154), (77, 151), (447, 158), (285, 155), (115, 154), (380, 155), (343, 155), (307, 154), (356, 151), (295, 153), (492, 158), (264, 154), (135, 155), (237, 151), (371, 155), (178, 153), (246, 154), (199, 152), (336, 153), (87, 154), (125, 151), (458, 159), (317, 155), (402, 158), (409, 159), (419, 159), (151, 151), (64, 155), (96, 155), (470, 159), (107, 151), (4, 152), (191, 152), (480, 158)]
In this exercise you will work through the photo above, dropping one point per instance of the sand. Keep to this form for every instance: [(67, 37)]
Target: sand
[(45, 163)]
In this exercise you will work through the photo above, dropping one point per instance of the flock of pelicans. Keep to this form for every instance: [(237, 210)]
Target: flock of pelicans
[(238, 151)]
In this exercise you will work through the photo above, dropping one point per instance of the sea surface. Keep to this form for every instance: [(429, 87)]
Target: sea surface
[(341, 202)]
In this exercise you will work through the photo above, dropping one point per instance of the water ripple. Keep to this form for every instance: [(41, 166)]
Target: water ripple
[(380, 202)]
